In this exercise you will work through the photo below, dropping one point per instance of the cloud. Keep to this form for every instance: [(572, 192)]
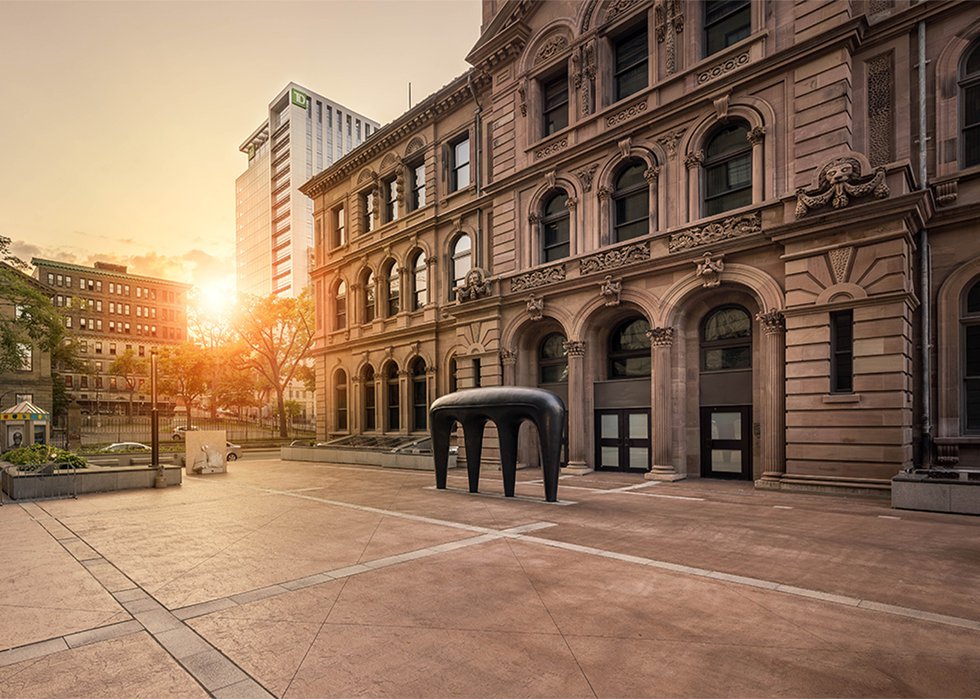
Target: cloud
[(195, 266)]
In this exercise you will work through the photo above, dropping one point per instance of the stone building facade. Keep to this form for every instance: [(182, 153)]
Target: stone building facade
[(708, 226)]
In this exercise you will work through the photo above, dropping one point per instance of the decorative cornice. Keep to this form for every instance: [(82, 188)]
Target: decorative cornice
[(733, 227), (627, 113), (637, 252), (726, 66), (552, 148), (540, 277)]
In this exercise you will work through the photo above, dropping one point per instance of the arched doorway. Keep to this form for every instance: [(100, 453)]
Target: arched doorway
[(725, 358), (622, 401)]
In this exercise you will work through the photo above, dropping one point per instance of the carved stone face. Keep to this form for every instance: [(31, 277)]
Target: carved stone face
[(840, 171)]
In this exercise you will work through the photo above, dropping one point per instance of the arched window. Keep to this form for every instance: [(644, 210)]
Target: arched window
[(631, 202), (726, 339), (393, 290), (340, 306), (728, 169), (970, 322), (420, 408), (629, 350), (392, 399), (555, 227), (970, 107), (420, 281), (462, 260), (553, 359), (370, 298), (340, 399), (370, 407)]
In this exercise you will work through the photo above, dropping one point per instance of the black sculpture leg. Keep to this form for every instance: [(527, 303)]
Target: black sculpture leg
[(550, 433), (507, 431), (473, 438), (441, 424)]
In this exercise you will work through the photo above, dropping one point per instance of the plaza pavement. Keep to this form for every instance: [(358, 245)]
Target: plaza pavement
[(306, 580)]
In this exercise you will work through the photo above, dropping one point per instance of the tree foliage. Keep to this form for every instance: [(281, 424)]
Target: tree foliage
[(131, 368), (182, 373), (276, 335)]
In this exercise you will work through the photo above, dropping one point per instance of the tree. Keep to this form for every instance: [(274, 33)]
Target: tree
[(277, 333), (182, 373), (132, 369), (34, 320)]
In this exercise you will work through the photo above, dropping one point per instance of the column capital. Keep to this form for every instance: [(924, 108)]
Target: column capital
[(694, 160), (575, 348), (661, 337), (508, 356), (756, 134), (773, 321)]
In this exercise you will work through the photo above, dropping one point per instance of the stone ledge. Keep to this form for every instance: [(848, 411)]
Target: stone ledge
[(913, 491)]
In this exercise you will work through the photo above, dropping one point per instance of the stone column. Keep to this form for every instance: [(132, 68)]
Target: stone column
[(693, 162), (508, 358), (756, 137), (577, 407), (354, 406), (773, 418), (404, 401), (661, 341), (652, 174), (605, 235)]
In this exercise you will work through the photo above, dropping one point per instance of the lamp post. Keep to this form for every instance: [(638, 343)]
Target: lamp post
[(160, 481)]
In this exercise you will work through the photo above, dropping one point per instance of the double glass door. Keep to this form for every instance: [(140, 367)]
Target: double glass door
[(623, 442), (725, 442)]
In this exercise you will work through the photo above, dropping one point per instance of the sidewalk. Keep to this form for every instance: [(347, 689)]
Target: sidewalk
[(302, 580)]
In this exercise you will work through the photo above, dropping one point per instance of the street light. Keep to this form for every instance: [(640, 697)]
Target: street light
[(160, 481)]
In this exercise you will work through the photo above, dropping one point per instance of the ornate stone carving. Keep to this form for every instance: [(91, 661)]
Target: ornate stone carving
[(366, 175), (668, 17), (522, 94), (614, 258), (624, 145), (836, 182), (534, 218), (571, 201), (694, 160), (415, 144), (878, 6), (626, 113), (603, 192), (551, 148), (881, 127), (651, 174), (721, 105), (550, 177), (583, 74), (840, 261), (773, 321), (661, 337), (475, 284), (539, 277), (732, 227), (726, 66), (618, 7), (535, 307), (610, 290), (946, 193), (756, 134), (709, 269), (508, 356), (551, 47), (585, 177), (670, 141), (574, 348)]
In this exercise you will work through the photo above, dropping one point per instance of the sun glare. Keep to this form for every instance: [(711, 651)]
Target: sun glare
[(216, 298)]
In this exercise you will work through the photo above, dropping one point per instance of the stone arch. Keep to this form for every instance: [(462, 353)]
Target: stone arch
[(390, 160), (366, 175), (763, 287), (416, 143), (631, 296), (833, 293), (520, 325), (949, 66), (551, 40), (608, 169), (949, 372)]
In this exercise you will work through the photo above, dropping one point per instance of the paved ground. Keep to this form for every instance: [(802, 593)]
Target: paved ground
[(302, 580)]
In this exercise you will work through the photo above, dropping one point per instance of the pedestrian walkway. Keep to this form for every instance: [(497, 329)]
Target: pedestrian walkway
[(294, 579)]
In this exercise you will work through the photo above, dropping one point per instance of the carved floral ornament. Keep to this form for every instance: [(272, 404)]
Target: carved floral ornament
[(610, 290), (773, 321), (709, 269), (661, 337), (540, 277), (551, 47), (837, 182), (575, 348), (535, 307), (508, 356), (615, 258), (732, 227)]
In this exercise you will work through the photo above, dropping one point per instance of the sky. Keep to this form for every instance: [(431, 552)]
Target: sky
[(121, 121)]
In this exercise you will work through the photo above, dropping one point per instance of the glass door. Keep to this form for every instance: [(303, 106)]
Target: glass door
[(725, 442), (623, 440)]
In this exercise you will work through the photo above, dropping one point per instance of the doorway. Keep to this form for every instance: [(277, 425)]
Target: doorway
[(623, 442)]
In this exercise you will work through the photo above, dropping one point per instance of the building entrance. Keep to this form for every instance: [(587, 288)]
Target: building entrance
[(623, 442), (726, 442)]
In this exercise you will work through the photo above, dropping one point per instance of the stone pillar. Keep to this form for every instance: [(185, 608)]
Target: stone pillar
[(605, 235), (652, 174), (756, 137), (773, 418), (661, 341), (577, 407), (693, 162), (354, 406), (508, 358), (404, 401)]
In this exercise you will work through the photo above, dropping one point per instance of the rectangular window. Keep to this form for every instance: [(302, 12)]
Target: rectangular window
[(112, 287), (554, 94), (340, 227), (391, 199), (477, 370), (459, 165), (842, 352), (630, 63), (367, 204), (725, 23), (98, 348), (417, 173)]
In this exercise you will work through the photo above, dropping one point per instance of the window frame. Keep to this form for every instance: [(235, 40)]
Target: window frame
[(456, 167), (420, 408), (340, 305), (392, 398), (641, 188), (454, 258), (389, 188), (370, 305), (415, 201), (723, 159), (705, 345), (368, 205), (548, 362), (613, 354), (338, 232), (618, 71), (420, 269), (557, 78), (555, 220), (708, 27), (968, 83), (370, 399), (968, 319), (340, 401), (392, 289), (841, 352)]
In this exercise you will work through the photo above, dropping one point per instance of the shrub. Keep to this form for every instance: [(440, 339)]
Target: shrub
[(36, 455)]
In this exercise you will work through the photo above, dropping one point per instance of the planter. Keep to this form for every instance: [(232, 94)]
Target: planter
[(955, 491), (366, 457), (52, 483)]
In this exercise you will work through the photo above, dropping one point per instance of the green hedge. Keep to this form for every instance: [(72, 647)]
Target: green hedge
[(36, 455)]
